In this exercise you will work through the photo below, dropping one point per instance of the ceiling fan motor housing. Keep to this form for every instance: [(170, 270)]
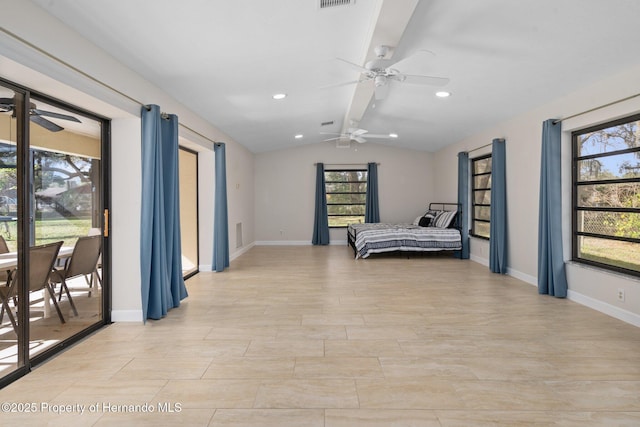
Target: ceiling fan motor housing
[(380, 80)]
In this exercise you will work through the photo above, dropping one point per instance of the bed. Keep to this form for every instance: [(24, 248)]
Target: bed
[(440, 231)]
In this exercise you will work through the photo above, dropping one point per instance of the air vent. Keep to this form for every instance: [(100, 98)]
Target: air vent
[(332, 3), (326, 123)]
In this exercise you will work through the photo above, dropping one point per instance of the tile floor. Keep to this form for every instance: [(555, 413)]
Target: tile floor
[(307, 336)]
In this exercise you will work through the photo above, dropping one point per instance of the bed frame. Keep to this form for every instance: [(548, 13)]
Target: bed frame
[(433, 206)]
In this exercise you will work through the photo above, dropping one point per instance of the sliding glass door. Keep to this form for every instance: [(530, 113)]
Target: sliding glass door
[(52, 192), (188, 169), (12, 180)]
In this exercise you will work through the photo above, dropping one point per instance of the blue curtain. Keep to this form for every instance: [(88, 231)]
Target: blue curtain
[(498, 226), (372, 207), (552, 278), (463, 201), (220, 214), (160, 251), (321, 218)]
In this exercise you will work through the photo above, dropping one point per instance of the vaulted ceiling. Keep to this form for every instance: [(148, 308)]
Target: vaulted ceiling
[(225, 60)]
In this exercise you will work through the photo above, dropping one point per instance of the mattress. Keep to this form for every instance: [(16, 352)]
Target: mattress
[(379, 237)]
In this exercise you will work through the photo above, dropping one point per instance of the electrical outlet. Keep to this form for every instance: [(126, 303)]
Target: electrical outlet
[(621, 294)]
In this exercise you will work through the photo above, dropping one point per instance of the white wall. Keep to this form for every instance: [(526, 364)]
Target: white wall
[(29, 67), (592, 287), (285, 187), (241, 197), (126, 156)]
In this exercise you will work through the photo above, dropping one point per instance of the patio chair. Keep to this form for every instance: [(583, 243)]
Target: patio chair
[(83, 262), (95, 232), (3, 245), (4, 274), (41, 261)]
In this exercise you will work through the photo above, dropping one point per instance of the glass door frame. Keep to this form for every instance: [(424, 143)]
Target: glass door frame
[(23, 96), (197, 209)]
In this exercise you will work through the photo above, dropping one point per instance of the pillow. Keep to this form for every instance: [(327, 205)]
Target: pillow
[(443, 219), (431, 215), (417, 220), (425, 221)]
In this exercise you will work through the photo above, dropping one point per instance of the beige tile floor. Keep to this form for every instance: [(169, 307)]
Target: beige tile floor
[(307, 336), (47, 331)]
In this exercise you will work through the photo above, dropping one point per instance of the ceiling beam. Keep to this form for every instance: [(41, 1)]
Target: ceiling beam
[(392, 19)]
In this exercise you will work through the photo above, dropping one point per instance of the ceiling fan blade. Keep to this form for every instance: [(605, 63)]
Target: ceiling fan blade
[(333, 139), (6, 102), (353, 82), (46, 123), (54, 115), (378, 136), (329, 133), (381, 92), (355, 66), (416, 59), (358, 132), (358, 139), (425, 80)]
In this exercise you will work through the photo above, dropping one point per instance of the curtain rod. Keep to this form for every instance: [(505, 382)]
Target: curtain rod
[(596, 108), (480, 148), (89, 76)]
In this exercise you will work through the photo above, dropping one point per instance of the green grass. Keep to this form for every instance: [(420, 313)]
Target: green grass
[(343, 221), (51, 230), (619, 254)]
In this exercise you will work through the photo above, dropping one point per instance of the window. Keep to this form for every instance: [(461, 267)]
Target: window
[(481, 196), (346, 196), (606, 195)]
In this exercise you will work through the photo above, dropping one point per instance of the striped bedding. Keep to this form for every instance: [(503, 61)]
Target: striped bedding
[(377, 238)]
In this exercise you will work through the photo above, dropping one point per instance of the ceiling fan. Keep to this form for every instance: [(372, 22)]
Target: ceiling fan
[(355, 134), (381, 71), (37, 116)]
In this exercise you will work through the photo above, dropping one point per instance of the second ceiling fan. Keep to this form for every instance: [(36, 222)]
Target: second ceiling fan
[(37, 116), (357, 135)]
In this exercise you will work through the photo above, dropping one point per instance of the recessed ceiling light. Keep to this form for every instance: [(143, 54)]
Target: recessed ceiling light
[(298, 136), (443, 94), (279, 96), (393, 135)]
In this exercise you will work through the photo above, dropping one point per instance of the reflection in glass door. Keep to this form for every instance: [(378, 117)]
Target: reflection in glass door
[(66, 207), (188, 169), (10, 359), (51, 197)]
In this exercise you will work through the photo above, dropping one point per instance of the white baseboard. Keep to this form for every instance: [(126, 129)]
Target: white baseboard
[(510, 271), (241, 251), (606, 308), (295, 243), (482, 261), (602, 307), (527, 278), (283, 243), (126, 316), (236, 254)]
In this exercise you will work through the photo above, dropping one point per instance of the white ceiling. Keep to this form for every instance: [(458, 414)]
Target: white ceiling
[(224, 59)]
